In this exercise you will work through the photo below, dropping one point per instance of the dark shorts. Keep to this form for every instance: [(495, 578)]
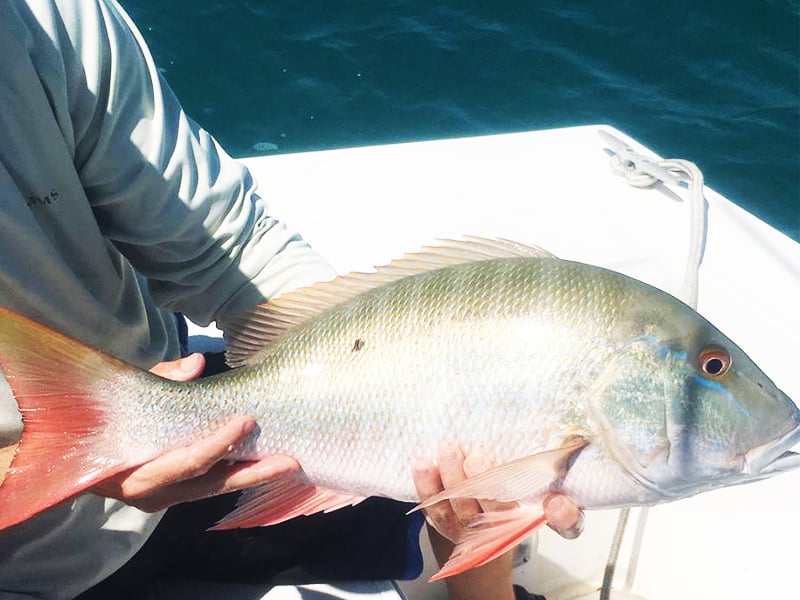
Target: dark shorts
[(374, 540)]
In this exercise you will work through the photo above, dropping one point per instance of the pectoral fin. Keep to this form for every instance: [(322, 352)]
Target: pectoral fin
[(522, 478), (490, 535), (282, 499)]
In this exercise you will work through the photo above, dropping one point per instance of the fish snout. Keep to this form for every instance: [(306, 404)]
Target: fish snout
[(775, 456)]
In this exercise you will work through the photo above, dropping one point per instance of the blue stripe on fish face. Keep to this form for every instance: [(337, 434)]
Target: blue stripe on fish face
[(665, 352), (718, 387)]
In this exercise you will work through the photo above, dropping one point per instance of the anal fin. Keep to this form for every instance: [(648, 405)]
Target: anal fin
[(282, 499)]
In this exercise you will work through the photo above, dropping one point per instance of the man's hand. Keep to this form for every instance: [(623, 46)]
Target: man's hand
[(563, 516), (182, 369), (6, 457), (196, 471), (492, 581)]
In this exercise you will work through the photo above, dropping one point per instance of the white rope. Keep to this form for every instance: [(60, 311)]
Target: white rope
[(640, 171), (682, 172), (693, 177)]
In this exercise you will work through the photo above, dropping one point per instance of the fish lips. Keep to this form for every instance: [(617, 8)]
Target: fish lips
[(774, 457)]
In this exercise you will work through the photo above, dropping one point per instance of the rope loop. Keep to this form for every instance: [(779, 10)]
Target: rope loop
[(642, 172)]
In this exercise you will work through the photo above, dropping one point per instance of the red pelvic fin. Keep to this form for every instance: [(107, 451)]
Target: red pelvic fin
[(489, 536)]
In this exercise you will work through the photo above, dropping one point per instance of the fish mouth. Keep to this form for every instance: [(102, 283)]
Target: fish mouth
[(785, 462), (774, 457)]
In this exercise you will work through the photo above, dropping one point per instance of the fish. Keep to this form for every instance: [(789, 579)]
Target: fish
[(570, 377)]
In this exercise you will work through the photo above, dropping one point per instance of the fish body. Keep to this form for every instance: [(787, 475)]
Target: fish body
[(569, 377), (366, 389), (360, 393)]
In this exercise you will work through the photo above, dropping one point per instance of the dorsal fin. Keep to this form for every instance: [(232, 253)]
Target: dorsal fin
[(253, 330)]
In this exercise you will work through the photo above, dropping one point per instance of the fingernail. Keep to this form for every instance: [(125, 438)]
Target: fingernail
[(555, 504), (558, 508), (476, 464), (571, 533), (422, 464), (248, 427), (188, 364), (449, 449), (577, 530)]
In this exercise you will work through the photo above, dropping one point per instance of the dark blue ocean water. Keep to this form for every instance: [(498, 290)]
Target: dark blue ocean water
[(716, 82)]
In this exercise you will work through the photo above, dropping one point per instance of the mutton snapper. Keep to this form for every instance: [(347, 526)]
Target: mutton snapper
[(570, 377)]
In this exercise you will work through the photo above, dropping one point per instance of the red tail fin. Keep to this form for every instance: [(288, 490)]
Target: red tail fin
[(60, 386)]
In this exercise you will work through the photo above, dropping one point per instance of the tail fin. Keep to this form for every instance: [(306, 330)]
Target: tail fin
[(62, 387)]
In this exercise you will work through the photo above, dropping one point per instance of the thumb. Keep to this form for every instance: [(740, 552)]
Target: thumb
[(182, 369), (563, 515)]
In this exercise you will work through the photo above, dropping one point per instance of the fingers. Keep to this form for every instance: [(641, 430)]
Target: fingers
[(220, 479), (451, 468), (6, 457), (448, 521), (191, 461), (563, 516), (446, 517), (195, 471), (440, 516), (182, 369), (450, 518)]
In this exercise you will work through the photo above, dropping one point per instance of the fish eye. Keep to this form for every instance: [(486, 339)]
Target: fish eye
[(714, 361)]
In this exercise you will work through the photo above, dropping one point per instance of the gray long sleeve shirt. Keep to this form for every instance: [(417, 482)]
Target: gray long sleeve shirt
[(115, 210)]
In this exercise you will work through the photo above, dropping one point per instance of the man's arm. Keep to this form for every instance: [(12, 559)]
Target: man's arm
[(183, 212)]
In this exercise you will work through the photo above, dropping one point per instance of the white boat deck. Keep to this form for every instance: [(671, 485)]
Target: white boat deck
[(365, 206)]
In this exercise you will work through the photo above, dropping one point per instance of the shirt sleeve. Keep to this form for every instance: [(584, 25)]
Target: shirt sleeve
[(182, 211)]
